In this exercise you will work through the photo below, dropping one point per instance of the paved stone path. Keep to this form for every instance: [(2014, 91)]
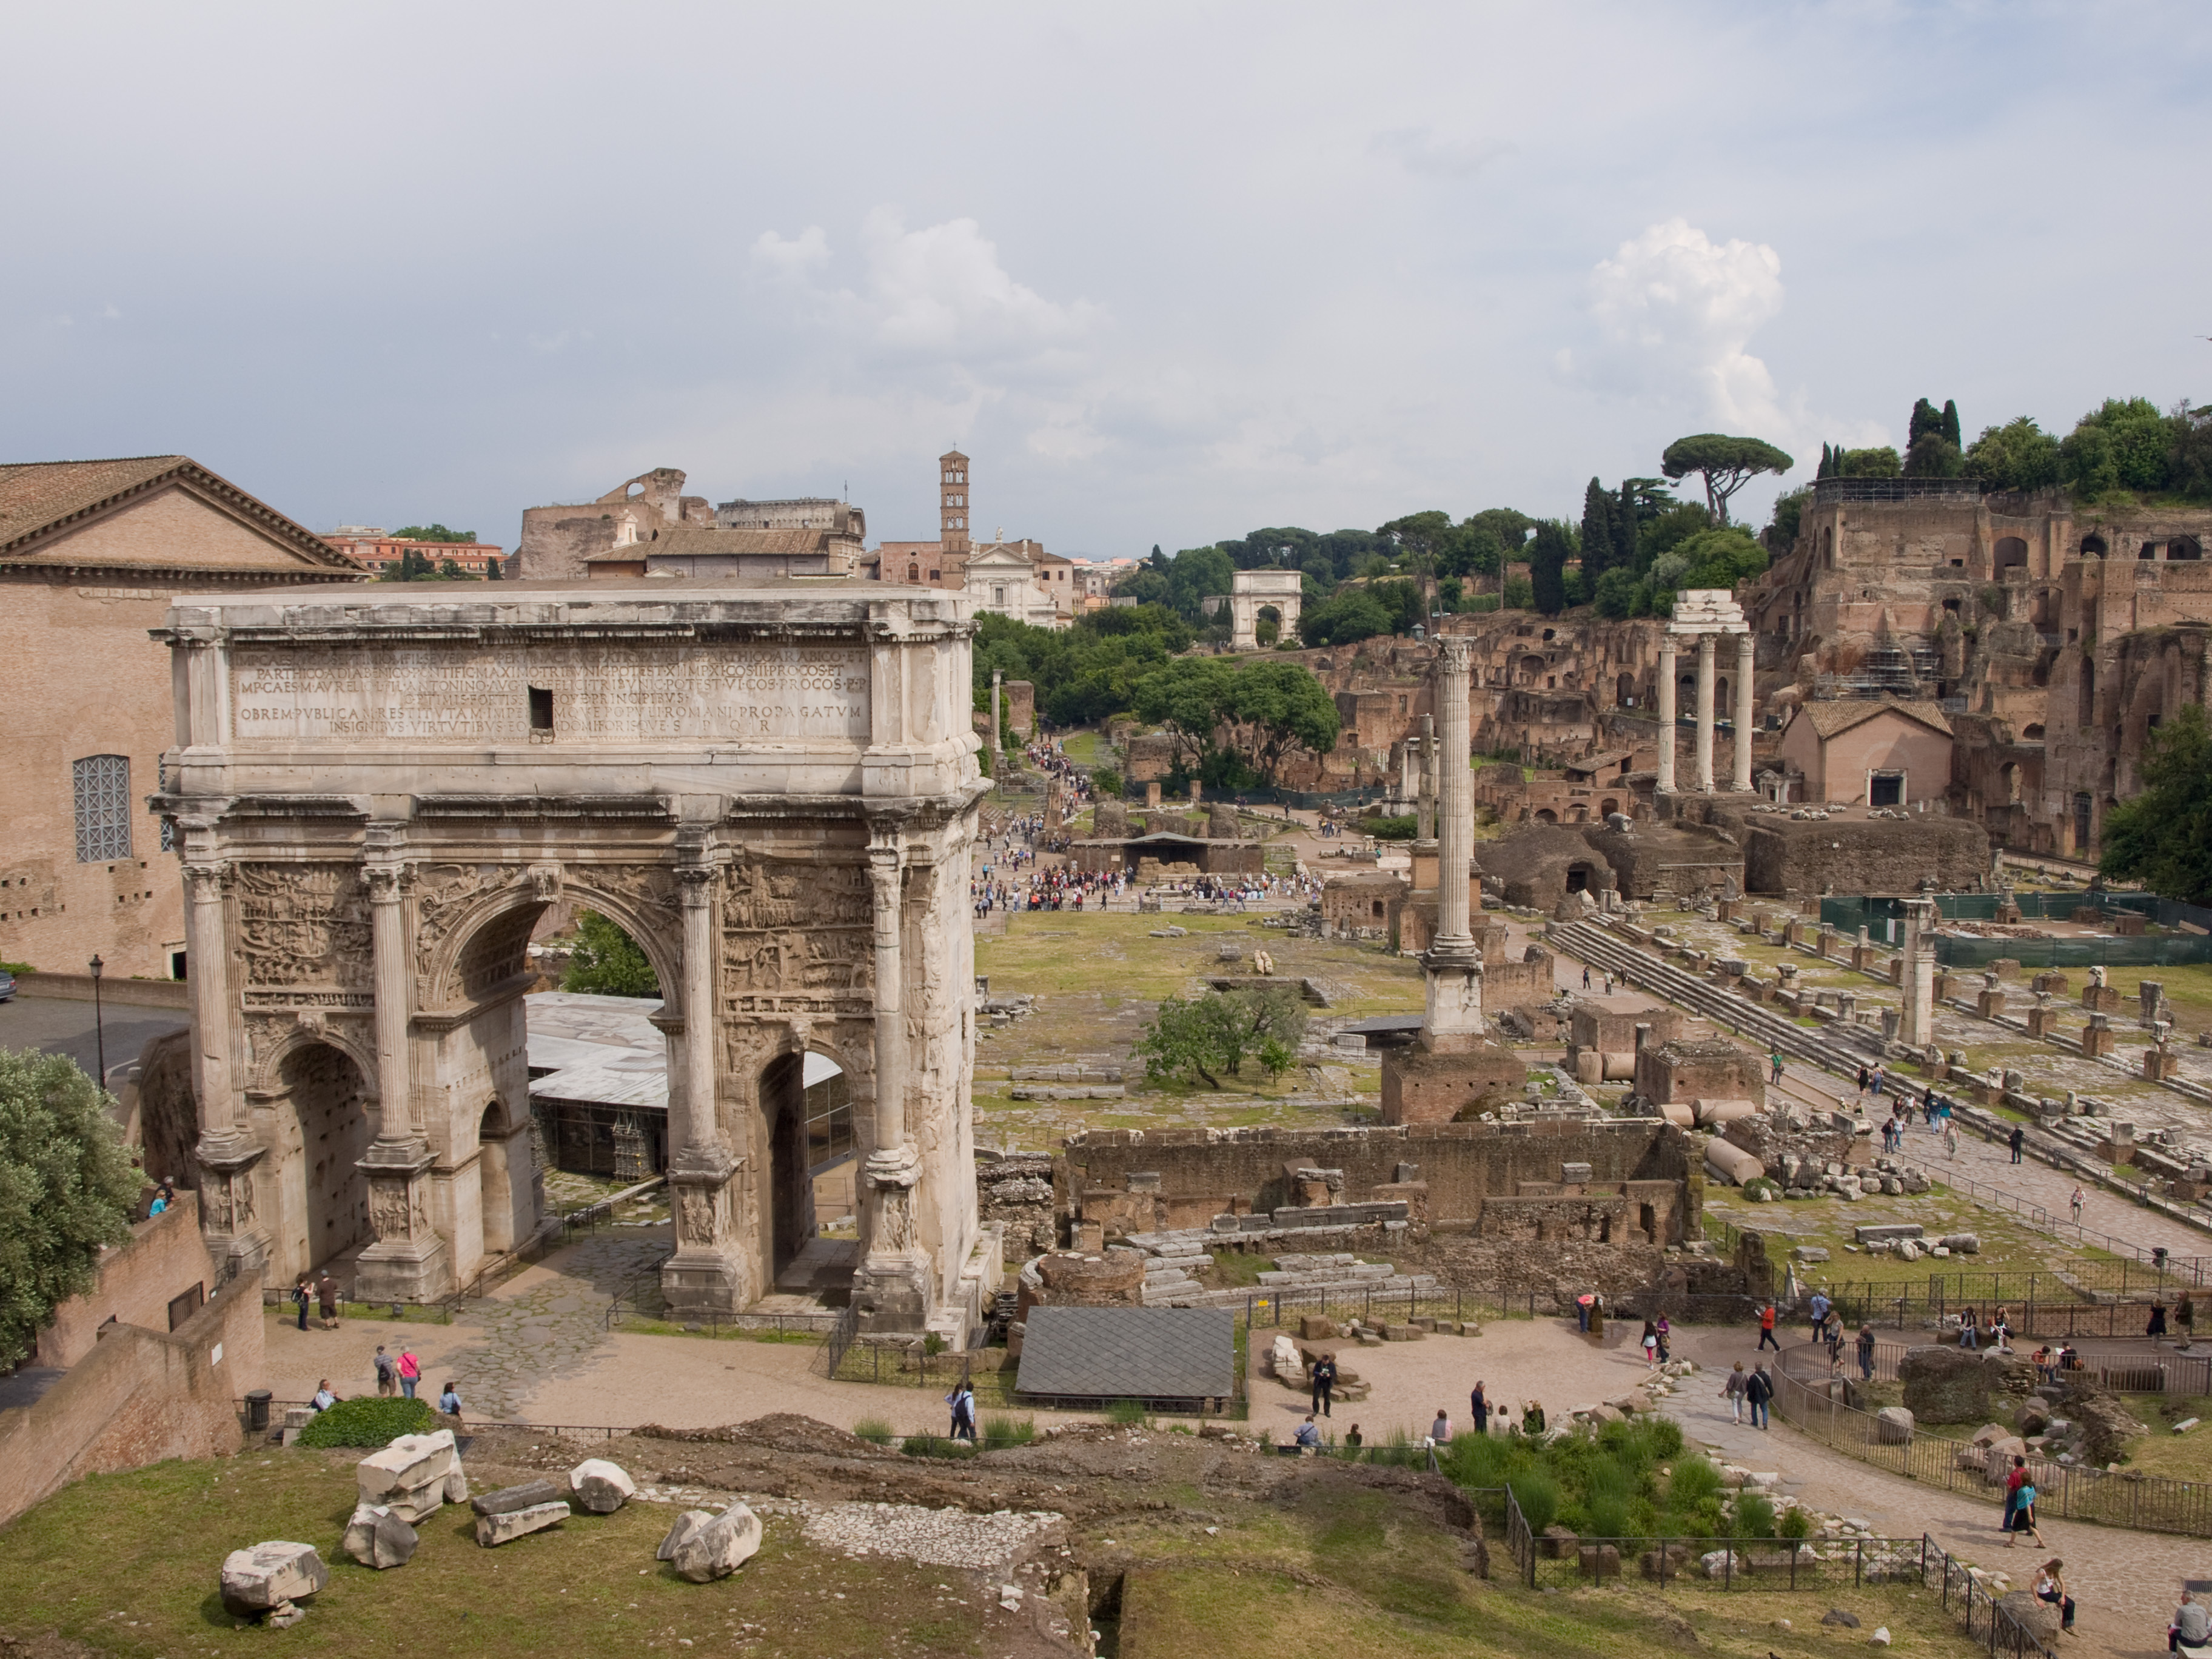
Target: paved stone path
[(550, 1320)]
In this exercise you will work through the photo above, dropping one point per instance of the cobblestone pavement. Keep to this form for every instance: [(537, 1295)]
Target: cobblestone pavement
[(551, 1319)]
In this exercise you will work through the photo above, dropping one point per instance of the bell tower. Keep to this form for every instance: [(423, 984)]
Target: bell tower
[(953, 501)]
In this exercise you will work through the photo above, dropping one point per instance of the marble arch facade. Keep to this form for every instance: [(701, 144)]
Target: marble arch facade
[(772, 788)]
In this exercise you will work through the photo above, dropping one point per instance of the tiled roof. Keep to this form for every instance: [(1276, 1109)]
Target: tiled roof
[(1129, 1354), (1832, 716), (37, 497)]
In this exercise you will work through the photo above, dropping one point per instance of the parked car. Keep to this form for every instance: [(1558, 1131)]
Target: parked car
[(7, 986)]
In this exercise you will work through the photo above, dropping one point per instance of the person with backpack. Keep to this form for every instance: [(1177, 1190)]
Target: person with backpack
[(388, 1372), (963, 1401), (1322, 1377), (1759, 1389)]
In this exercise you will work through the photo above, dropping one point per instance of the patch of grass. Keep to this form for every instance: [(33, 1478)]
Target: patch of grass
[(1238, 1267), (1008, 1431), (577, 1586), (1130, 1412), (875, 1430), (371, 1420)]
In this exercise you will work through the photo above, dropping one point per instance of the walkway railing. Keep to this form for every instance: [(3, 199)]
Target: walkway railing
[(1809, 1397)]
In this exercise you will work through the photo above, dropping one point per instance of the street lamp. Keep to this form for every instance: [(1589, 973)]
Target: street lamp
[(99, 1026)]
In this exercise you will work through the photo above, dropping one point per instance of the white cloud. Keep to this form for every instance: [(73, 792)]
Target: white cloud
[(942, 292), (794, 257)]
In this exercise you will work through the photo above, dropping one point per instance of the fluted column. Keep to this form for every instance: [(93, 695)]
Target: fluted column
[(226, 1153), (1704, 714), (712, 1268), (891, 1289), (388, 942), (1667, 716), (410, 1261), (699, 1128), (1744, 671)]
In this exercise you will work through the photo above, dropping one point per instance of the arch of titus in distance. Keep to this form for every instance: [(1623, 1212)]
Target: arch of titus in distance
[(771, 788)]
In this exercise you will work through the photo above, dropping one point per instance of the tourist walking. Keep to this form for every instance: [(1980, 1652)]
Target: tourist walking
[(1732, 1387), (2018, 1140), (1775, 1060), (2156, 1328), (1666, 1333), (388, 1372), (1866, 1353), (1478, 1409), (1950, 1138), (2051, 1586), (1323, 1378), (1649, 1342), (326, 1296), (1820, 1305), (410, 1372), (1766, 1328), (961, 1399), (2075, 1205), (1757, 1389)]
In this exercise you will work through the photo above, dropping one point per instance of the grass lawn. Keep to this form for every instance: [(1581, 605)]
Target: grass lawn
[(590, 1584), (2162, 1452)]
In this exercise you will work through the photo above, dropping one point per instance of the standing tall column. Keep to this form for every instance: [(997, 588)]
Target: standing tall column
[(709, 1271), (1704, 714), (226, 1154), (1451, 1020), (1744, 671), (997, 740), (891, 1288), (409, 1261), (1919, 1029), (1456, 796), (1667, 716)]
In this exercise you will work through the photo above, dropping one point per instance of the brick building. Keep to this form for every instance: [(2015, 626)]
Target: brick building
[(377, 552), (90, 553)]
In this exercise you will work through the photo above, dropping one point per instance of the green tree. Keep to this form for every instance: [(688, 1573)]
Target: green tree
[(607, 961), (67, 1189), (1423, 539), (1600, 536), (2162, 837), (449, 570), (2018, 455), (1519, 592), (1547, 568), (1347, 618), (1879, 463), (1212, 1037), (1931, 441), (1622, 593), (2189, 467), (433, 532), (1726, 465), (1188, 697), (1275, 708), (2121, 445), (1789, 513)]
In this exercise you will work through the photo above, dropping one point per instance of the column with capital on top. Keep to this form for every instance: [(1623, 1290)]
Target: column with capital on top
[(891, 1287), (1745, 668), (225, 1152), (1704, 714), (409, 1261), (708, 1272)]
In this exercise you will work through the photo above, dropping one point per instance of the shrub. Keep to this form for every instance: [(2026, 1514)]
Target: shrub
[(935, 1445), (1009, 1431), (875, 1430), (1391, 828), (1754, 1516), (1609, 1516), (1538, 1495), (1795, 1522), (371, 1420), (1105, 784), (1130, 1412), (1695, 1481)]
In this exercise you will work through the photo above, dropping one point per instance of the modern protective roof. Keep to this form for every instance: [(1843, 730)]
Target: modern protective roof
[(1129, 1354)]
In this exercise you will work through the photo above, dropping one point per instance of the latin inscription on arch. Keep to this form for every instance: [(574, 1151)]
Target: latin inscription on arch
[(601, 691)]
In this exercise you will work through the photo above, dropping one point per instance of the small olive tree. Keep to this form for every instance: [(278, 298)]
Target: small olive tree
[(1212, 1035), (67, 1188)]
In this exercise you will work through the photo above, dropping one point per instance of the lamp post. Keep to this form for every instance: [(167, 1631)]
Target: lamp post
[(99, 1026)]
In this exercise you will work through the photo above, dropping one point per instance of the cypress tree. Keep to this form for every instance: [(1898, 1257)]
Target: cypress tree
[(1951, 425), (1547, 568), (1597, 534), (1924, 419), (1827, 467), (1625, 527)]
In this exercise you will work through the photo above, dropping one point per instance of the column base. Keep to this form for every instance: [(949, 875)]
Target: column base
[(239, 1245), (709, 1272), (408, 1262), (1452, 1016), (891, 1292)]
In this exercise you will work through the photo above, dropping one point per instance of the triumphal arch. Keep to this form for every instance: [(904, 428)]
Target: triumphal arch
[(772, 788)]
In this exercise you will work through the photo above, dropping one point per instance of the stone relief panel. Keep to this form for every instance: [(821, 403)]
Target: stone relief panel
[(443, 894), (303, 924), (797, 938)]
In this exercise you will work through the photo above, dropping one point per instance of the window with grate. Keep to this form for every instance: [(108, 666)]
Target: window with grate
[(103, 808), (169, 825)]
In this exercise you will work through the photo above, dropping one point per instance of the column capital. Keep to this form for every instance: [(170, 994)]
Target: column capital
[(694, 885), (385, 882), (1454, 655), (1705, 647), (204, 881)]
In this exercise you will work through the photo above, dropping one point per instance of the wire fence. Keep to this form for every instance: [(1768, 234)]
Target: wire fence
[(1814, 1399)]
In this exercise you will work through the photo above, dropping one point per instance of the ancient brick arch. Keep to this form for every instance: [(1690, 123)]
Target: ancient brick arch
[(772, 790)]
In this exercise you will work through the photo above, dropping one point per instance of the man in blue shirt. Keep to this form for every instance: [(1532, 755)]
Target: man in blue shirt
[(1821, 1306)]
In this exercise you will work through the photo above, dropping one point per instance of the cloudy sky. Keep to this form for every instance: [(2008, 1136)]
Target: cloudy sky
[(1167, 273)]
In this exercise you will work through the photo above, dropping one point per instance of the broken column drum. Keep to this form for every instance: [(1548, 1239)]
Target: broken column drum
[(771, 789)]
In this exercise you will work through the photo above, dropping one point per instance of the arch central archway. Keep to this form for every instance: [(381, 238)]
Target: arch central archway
[(321, 1107)]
